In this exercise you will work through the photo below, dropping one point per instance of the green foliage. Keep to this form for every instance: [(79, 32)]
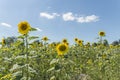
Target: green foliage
[(38, 61)]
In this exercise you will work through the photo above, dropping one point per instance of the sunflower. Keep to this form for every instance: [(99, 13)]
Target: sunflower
[(88, 44), (104, 56), (24, 27), (45, 38), (101, 33), (67, 43), (80, 42), (111, 46), (64, 41), (53, 44), (3, 41), (61, 49), (76, 39)]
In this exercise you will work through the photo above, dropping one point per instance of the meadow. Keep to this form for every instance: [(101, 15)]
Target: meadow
[(28, 59)]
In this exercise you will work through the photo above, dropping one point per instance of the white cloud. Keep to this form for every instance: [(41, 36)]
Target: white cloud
[(55, 14), (6, 24), (83, 19), (68, 16), (87, 19), (49, 16), (38, 29)]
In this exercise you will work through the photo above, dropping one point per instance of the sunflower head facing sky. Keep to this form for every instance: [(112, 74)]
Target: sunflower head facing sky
[(76, 39), (64, 41), (24, 27), (45, 38), (80, 42), (101, 33), (62, 49)]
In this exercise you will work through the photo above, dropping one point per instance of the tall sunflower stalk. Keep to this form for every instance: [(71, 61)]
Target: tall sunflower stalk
[(45, 39), (23, 28), (101, 40), (27, 55), (101, 34)]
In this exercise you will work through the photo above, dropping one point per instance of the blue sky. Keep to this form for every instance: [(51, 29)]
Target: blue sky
[(60, 19)]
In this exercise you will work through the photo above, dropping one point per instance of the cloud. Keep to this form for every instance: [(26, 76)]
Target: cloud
[(87, 19), (68, 16), (49, 16), (38, 29), (83, 19), (6, 24)]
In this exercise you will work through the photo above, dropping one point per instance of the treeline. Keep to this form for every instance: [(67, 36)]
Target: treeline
[(13, 39)]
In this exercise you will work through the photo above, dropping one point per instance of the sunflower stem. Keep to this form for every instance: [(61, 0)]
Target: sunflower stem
[(100, 39), (27, 54)]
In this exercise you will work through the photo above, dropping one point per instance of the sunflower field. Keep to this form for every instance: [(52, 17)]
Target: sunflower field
[(27, 59)]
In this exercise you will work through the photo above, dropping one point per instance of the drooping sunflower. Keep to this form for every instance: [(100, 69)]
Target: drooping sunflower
[(45, 38), (61, 49), (101, 33), (24, 27)]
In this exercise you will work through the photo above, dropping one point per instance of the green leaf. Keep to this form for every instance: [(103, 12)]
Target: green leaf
[(51, 69), (33, 29), (52, 78), (54, 61), (21, 37), (33, 37)]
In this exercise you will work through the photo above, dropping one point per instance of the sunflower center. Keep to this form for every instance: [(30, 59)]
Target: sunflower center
[(64, 41), (24, 27), (101, 33), (45, 38), (76, 39), (79, 41), (62, 48)]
